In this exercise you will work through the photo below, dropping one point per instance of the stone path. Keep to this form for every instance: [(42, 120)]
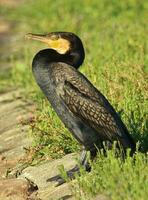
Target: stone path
[(13, 136)]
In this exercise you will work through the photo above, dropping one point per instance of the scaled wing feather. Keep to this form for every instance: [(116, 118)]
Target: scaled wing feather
[(90, 110)]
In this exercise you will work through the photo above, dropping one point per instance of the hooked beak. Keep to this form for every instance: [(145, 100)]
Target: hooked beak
[(38, 37)]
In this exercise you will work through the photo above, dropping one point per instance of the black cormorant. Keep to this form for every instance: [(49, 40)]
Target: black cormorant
[(81, 107)]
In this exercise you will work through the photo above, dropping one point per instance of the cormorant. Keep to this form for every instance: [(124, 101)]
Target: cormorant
[(81, 107)]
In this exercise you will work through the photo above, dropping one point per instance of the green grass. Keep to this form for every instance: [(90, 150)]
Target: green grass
[(114, 178), (114, 34)]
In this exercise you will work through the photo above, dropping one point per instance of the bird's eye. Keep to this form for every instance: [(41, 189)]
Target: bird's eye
[(54, 37)]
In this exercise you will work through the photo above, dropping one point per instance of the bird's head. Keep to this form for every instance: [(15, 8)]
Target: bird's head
[(62, 42)]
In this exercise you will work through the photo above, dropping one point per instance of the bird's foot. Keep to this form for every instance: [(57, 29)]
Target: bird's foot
[(85, 160)]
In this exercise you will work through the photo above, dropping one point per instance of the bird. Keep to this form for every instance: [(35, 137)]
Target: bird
[(83, 109)]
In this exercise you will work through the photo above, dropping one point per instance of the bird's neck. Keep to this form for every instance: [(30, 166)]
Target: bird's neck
[(44, 57)]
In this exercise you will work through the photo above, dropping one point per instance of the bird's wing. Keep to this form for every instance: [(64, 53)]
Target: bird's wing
[(84, 103)]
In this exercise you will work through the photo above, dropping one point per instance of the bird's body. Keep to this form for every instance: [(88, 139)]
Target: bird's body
[(82, 108)]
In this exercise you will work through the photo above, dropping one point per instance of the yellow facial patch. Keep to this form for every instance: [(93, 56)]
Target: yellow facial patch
[(60, 45)]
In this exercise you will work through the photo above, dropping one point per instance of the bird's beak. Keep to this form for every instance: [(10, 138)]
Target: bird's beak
[(61, 45), (38, 37)]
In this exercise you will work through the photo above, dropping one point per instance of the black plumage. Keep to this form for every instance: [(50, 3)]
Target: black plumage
[(81, 107)]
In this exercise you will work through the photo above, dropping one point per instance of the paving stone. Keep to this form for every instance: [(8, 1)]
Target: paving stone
[(10, 96), (40, 174), (60, 192)]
